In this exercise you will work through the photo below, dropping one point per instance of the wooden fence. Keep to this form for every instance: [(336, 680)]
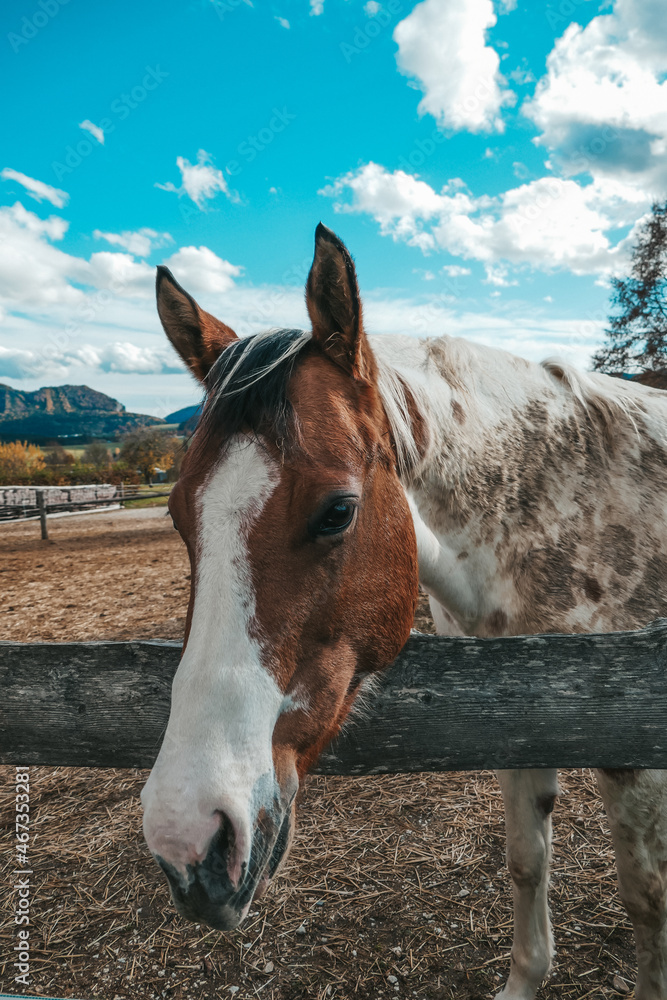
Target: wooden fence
[(25, 503), (444, 704)]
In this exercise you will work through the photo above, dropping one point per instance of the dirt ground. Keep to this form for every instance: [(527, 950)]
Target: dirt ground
[(396, 885)]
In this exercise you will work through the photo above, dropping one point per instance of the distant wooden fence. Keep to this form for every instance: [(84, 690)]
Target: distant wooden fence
[(18, 503), (444, 704), (26, 501)]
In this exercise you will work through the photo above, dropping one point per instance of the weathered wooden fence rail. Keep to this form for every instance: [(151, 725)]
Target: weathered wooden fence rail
[(445, 704)]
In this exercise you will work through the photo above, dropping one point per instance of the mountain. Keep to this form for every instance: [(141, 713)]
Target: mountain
[(180, 416), (65, 411)]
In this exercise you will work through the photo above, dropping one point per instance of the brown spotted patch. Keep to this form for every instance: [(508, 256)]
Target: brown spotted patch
[(592, 588), (459, 412), (496, 623)]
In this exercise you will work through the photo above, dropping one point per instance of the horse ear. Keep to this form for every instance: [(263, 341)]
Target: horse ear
[(334, 305), (197, 336)]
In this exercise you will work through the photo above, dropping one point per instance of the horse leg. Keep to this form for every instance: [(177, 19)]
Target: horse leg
[(636, 805), (529, 800)]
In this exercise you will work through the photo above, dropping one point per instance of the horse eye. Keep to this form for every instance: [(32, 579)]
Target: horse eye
[(336, 519)]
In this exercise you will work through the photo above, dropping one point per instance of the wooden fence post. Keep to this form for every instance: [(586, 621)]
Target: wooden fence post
[(41, 503)]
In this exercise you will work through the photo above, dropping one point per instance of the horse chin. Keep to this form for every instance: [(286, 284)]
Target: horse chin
[(219, 917)]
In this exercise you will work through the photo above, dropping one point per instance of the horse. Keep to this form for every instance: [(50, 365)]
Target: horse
[(330, 473)]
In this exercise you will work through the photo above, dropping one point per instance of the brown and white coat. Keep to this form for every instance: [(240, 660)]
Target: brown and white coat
[(331, 472)]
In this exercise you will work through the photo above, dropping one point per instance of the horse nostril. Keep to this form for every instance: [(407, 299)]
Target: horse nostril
[(225, 838), (226, 852), (221, 846)]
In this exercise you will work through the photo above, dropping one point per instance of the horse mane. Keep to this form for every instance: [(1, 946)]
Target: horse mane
[(394, 395), (247, 385), (603, 398), (247, 390)]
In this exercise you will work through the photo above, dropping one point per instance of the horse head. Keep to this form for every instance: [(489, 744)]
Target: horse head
[(303, 583)]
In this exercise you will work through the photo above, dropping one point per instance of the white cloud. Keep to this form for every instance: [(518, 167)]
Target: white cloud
[(602, 105), (120, 273), (498, 276), (94, 320), (521, 75), (372, 7), (400, 202), (124, 338), (36, 189), (120, 356), (316, 6), (130, 358), (81, 320), (547, 223), (527, 332), (33, 272), (140, 242), (54, 228), (36, 275), (94, 130), (283, 22), (442, 43), (199, 269), (18, 364), (455, 270), (200, 181)]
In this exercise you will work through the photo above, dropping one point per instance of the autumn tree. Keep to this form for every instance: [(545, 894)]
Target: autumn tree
[(19, 460), (148, 449), (637, 332)]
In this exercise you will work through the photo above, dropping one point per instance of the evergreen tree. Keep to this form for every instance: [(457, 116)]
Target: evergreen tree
[(637, 333)]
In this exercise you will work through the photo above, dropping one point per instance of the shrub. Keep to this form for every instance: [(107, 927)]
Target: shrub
[(57, 455)]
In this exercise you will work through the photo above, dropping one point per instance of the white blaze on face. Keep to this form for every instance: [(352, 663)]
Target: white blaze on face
[(216, 754)]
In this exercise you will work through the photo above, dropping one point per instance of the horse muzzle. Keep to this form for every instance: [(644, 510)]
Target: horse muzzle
[(218, 890)]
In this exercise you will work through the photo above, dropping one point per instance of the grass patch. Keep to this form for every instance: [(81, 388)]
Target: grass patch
[(148, 502), (151, 501)]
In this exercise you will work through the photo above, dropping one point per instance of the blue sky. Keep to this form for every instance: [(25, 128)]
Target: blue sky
[(486, 163)]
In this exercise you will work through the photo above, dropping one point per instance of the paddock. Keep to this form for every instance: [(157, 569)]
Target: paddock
[(405, 870)]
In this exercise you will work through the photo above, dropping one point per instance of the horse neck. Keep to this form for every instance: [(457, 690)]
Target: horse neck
[(533, 474)]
